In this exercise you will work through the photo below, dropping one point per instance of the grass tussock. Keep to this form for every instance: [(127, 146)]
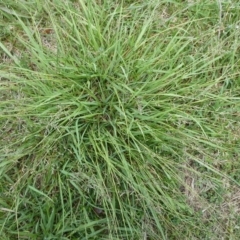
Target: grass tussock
[(119, 120)]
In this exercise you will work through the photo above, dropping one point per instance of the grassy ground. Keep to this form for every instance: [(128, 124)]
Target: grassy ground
[(119, 119)]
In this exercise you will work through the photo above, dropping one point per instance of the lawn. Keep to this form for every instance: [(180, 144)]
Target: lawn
[(120, 119)]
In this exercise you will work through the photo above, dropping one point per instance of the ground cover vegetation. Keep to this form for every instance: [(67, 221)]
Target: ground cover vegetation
[(119, 119)]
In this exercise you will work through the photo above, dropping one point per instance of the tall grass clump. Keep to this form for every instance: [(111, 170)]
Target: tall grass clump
[(105, 105)]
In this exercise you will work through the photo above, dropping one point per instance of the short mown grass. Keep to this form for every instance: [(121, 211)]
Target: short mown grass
[(119, 120)]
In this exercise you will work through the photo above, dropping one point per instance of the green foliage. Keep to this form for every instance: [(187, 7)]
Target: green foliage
[(108, 110)]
